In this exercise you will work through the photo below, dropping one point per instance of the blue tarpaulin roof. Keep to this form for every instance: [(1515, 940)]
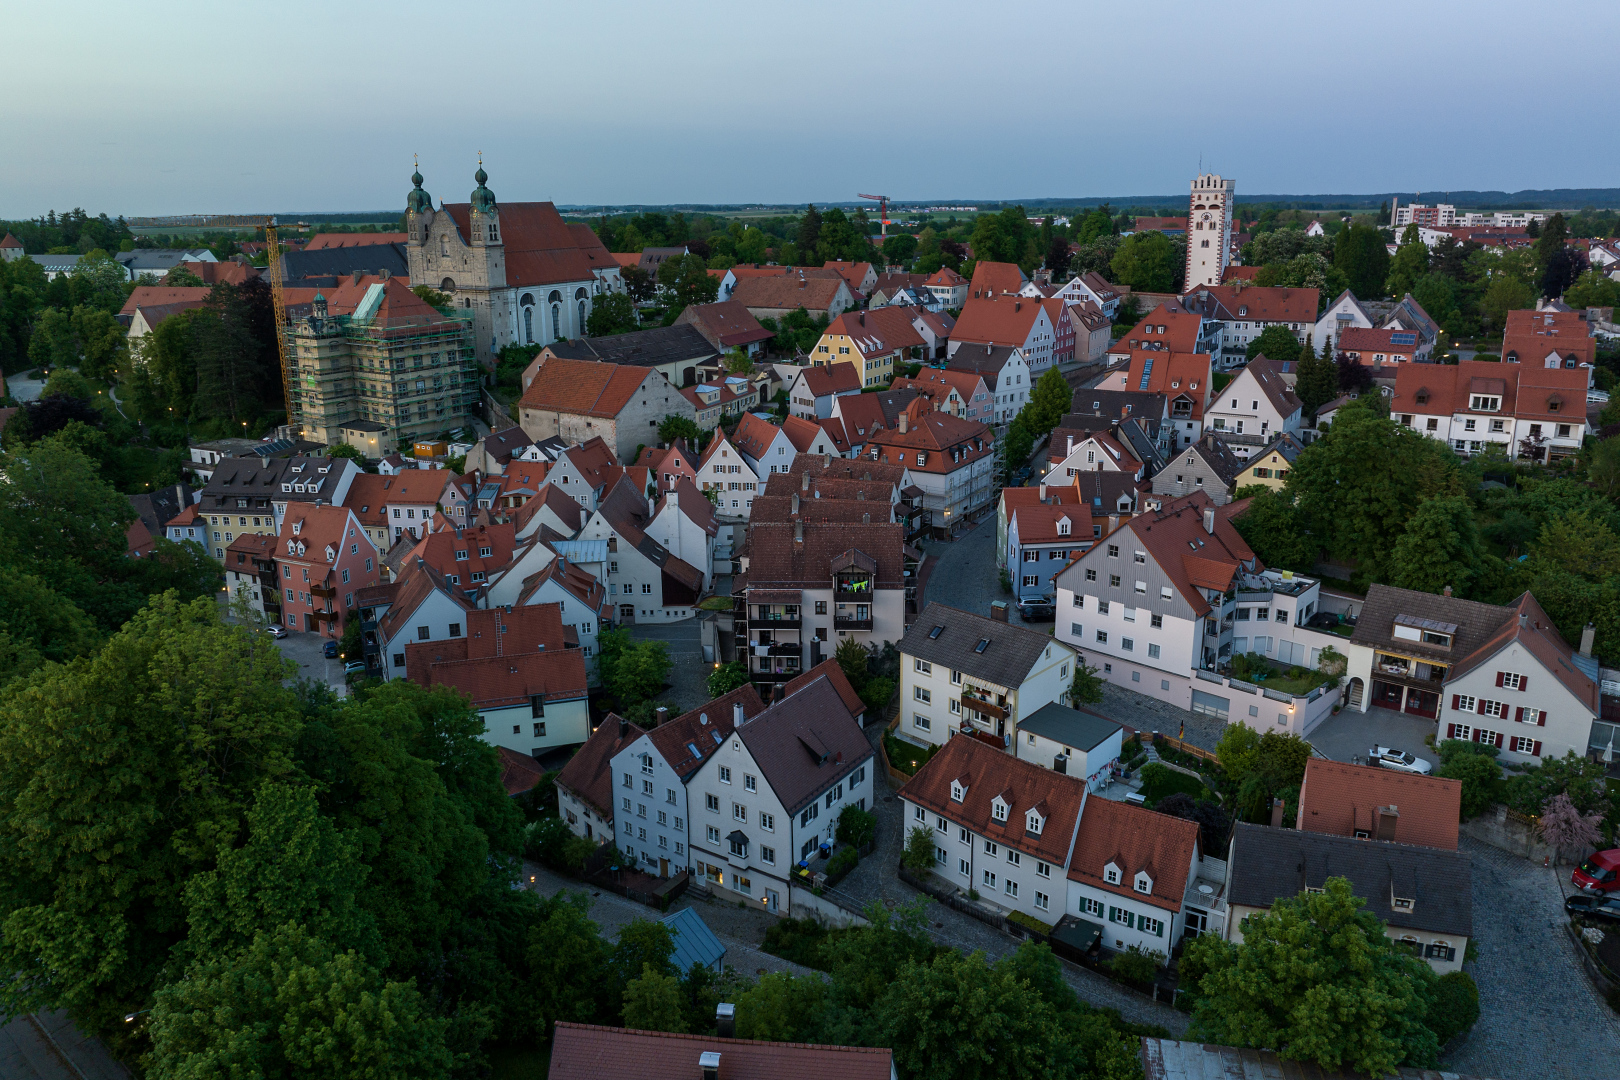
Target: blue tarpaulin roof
[(695, 943)]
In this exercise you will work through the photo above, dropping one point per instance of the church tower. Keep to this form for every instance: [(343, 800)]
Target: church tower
[(418, 220), (1209, 231)]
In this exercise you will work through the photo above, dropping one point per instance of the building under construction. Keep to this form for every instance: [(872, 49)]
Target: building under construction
[(376, 352)]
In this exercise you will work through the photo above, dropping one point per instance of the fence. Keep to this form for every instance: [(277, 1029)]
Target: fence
[(631, 884), (947, 896), (1184, 747)]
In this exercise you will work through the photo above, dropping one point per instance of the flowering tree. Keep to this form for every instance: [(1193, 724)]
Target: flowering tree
[(1565, 827)]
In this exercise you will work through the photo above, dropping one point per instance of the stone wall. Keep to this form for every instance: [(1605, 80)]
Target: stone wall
[(1510, 832)]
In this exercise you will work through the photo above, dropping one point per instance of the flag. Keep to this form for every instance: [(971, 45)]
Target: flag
[(1183, 733)]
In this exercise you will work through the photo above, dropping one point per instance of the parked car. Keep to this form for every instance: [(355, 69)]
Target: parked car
[(1038, 610), (330, 650), (1594, 907), (354, 667), (1600, 873), (276, 630), (1391, 758)]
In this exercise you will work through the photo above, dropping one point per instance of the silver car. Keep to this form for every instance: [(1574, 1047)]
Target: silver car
[(1390, 758)]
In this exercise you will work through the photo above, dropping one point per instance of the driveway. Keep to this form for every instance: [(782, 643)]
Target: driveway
[(46, 1046), (688, 673), (1539, 1015), (23, 388), (305, 650), (1350, 734)]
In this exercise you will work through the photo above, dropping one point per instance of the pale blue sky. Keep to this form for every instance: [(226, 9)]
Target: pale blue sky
[(176, 107)]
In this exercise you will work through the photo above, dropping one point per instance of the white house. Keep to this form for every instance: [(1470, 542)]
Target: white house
[(1343, 314), (1255, 406), (1071, 740), (645, 581), (970, 673), (582, 603), (725, 471), (1006, 374), (1135, 874), (814, 388), (765, 448), (684, 523), (425, 608), (1091, 286), (1524, 409)]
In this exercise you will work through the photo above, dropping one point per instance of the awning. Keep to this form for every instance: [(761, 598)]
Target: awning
[(1077, 934), (739, 837)]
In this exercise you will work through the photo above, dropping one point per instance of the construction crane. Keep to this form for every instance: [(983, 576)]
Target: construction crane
[(883, 211)]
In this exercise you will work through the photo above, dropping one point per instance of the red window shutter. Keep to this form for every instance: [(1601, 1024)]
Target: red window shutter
[(1451, 729), (1481, 707), (1541, 718), (1518, 715), (1498, 741), (1475, 737), (1537, 749), (1456, 702), (1499, 678), (1524, 683)]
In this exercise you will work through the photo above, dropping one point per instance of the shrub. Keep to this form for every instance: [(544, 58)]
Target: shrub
[(842, 863), (1455, 1008), (919, 854), (1135, 966), (1030, 921), (1159, 781), (803, 941), (1481, 776), (856, 826), (550, 841)]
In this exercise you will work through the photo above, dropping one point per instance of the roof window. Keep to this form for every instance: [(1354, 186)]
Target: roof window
[(935, 632), (984, 643)]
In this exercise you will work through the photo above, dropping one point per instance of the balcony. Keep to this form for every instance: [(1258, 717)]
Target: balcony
[(985, 708), (327, 591), (1238, 438), (775, 676), (325, 616), (776, 622), (842, 623), (776, 648), (850, 596)]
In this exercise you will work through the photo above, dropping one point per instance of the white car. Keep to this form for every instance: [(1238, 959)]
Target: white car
[(276, 630), (1390, 758)]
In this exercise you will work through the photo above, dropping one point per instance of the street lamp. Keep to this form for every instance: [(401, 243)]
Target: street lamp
[(129, 1018)]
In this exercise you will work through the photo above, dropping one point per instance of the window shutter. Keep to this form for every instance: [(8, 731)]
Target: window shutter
[(1451, 729), (1541, 719), (1475, 736), (1518, 715), (1481, 706), (1524, 683), (1456, 702), (1499, 678), (1498, 741), (1536, 750)]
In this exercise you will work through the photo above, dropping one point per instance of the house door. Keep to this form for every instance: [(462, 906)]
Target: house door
[(309, 622), (1001, 726), (1197, 922), (663, 867), (772, 902), (627, 613)]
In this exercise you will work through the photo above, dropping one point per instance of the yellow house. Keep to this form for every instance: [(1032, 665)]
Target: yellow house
[(1271, 464), (874, 341)]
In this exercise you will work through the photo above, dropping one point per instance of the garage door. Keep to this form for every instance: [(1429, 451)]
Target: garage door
[(1210, 705)]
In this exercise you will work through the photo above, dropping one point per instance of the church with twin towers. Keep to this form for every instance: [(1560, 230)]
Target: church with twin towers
[(527, 276)]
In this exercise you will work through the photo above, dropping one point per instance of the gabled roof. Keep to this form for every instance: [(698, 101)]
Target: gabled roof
[(418, 580), (1262, 303), (551, 497), (1002, 320), (316, 529), (1532, 335), (322, 241), (1079, 728), (789, 291), (865, 414), (370, 493), (1039, 523), (1192, 557), (690, 739), (985, 360), (1360, 339), (776, 560), (1007, 660), (1134, 839), (823, 380), (1530, 627), (625, 509), (1172, 374), (680, 343), (877, 331), (1528, 391), (1270, 864), (1340, 798), (754, 435), (932, 442), (725, 325), (1167, 327), (806, 743), (695, 943), (589, 773), (496, 669), (1267, 374), (584, 388), (1218, 457), (946, 278), (585, 1052), (519, 772), (690, 503), (162, 296), (580, 583), (994, 279), (834, 674), (540, 248), (802, 433), (988, 773)]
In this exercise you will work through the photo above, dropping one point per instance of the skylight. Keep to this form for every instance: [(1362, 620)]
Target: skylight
[(718, 738), (935, 632), (693, 748), (984, 643)]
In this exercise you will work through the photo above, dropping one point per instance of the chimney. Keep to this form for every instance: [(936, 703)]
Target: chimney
[(866, 519), (1588, 633), (798, 531), (1388, 816), (357, 275), (1113, 522), (1446, 591), (383, 274), (902, 422), (1209, 521), (998, 610), (725, 1024), (624, 727), (863, 318), (1276, 813), (737, 717), (804, 480), (709, 1060), (795, 504), (1524, 620), (660, 716), (826, 461)]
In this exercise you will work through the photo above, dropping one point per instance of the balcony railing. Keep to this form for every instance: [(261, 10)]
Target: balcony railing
[(1240, 437), (323, 590), (841, 623), (849, 596), (776, 648), (775, 676), (983, 707)]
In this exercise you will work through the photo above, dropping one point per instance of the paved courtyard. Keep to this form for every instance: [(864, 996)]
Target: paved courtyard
[(1350, 734), (964, 575), (688, 673)]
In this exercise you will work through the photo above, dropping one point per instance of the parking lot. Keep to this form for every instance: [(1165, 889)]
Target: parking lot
[(305, 650), (1350, 734)]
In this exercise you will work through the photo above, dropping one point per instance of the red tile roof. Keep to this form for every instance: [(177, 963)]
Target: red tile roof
[(519, 772), (1264, 303), (584, 1052), (1532, 628), (156, 295), (677, 738), (725, 325), (494, 680), (1533, 335), (1190, 556), (1527, 391), (1362, 339), (583, 387), (825, 379), (540, 247), (589, 773), (789, 291), (323, 241), (10, 241), (1171, 374), (877, 331), (753, 435), (933, 442), (216, 273), (1006, 320), (1169, 327), (840, 681), (991, 279), (370, 493), (947, 278), (1339, 799), (1134, 839), (801, 433)]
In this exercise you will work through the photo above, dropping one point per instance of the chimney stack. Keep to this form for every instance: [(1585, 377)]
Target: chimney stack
[(1209, 521), (709, 1062), (725, 1023), (1388, 817), (660, 716), (1276, 813), (795, 504), (1446, 590), (1113, 522), (902, 422), (804, 480), (1588, 634), (1043, 491), (737, 717), (998, 610), (624, 727), (798, 531)]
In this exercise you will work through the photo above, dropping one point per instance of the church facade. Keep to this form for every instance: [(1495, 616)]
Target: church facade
[(524, 274)]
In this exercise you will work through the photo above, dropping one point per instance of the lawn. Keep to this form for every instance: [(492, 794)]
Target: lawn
[(904, 756), (1159, 781)]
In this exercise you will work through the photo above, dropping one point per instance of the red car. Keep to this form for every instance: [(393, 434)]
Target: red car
[(1600, 873)]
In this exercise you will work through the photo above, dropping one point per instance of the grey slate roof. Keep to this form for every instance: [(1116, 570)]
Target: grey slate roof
[(1476, 622), (1080, 729), (1270, 864), (256, 478), (158, 508), (986, 360), (1220, 459), (806, 743), (1090, 403), (342, 261), (678, 344), (1006, 661)]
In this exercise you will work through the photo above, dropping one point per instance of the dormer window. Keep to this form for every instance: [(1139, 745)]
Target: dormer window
[(958, 791), (1111, 874), (1400, 903), (1032, 823), (998, 809), (1143, 883), (1063, 526)]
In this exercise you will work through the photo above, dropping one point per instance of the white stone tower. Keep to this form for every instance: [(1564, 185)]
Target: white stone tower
[(1209, 230)]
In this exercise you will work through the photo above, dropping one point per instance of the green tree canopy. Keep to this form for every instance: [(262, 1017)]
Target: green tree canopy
[(1318, 379), (611, 313), (726, 678), (1440, 547), (1049, 402), (687, 281), (1276, 343), (1359, 253), (1146, 261), (652, 1002)]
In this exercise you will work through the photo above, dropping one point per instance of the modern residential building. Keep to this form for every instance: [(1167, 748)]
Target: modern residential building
[(1003, 827), (579, 400), (1525, 410), (1207, 465), (1500, 675), (873, 342), (1209, 230), (653, 769), (1072, 740), (516, 668), (323, 558), (1369, 802), (1422, 895), (772, 794), (1136, 875), (977, 675), (374, 350), (1177, 590), (1256, 405)]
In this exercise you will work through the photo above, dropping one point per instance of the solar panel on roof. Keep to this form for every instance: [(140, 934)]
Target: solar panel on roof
[(1403, 339), (1147, 370)]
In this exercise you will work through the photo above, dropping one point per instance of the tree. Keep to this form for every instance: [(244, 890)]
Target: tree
[(1566, 828), (1273, 527), (638, 284), (1146, 261), (1359, 253), (1592, 289), (674, 427), (1478, 771), (781, 1007), (1411, 262), (344, 450), (918, 856), (432, 296), (1087, 687), (1214, 823), (611, 313), (686, 281), (1564, 266), (1318, 378), (856, 826), (1049, 401), (1456, 1006), (1440, 547), (899, 249), (1316, 979), (1057, 257), (726, 678), (1016, 445), (808, 234), (567, 962), (1551, 240), (1276, 343), (652, 1002), (853, 659), (1502, 295)]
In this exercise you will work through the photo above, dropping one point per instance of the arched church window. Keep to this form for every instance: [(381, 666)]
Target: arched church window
[(582, 316), (554, 298), (448, 285), (528, 326), (556, 321), (444, 246)]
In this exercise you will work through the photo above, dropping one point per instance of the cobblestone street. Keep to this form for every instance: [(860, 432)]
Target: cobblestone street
[(965, 575), (1539, 1015)]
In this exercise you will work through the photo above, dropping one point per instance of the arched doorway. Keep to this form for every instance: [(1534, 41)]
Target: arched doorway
[(1356, 694)]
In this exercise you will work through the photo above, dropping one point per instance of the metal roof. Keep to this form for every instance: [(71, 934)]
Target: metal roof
[(695, 943)]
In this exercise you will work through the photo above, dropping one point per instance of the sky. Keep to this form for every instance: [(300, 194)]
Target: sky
[(180, 107)]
